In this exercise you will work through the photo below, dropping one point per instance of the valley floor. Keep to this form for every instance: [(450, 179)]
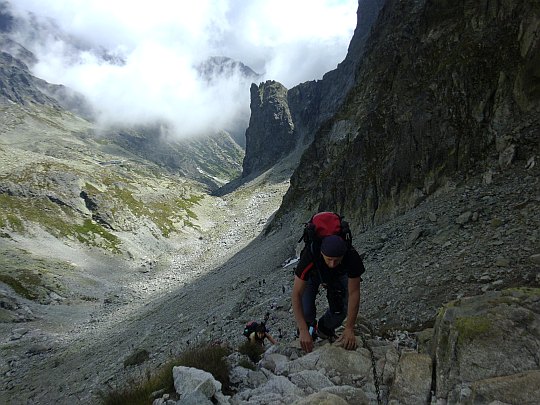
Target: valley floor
[(73, 349)]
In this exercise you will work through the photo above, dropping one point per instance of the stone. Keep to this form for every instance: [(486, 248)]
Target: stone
[(278, 388), (522, 388), (275, 362), (488, 178), (464, 218), (414, 235), (194, 398), (352, 395), (412, 384), (188, 380), (331, 357), (310, 378), (139, 356), (535, 258), (425, 341), (321, 398), (507, 156), (484, 337), (391, 358)]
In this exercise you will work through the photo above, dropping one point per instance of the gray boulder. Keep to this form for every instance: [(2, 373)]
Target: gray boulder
[(496, 335)]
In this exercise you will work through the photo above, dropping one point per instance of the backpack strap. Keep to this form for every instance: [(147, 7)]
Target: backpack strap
[(346, 233), (309, 233)]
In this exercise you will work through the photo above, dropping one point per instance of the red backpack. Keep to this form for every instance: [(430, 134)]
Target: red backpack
[(325, 224), (251, 326)]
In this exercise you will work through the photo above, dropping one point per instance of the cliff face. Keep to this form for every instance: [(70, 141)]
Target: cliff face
[(282, 118), (441, 91), (270, 133)]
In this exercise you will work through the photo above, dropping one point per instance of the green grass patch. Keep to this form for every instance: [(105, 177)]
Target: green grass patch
[(168, 213), (59, 221), (18, 287), (247, 364), (116, 193), (12, 222), (471, 327), (252, 350), (86, 233), (206, 357), (32, 277), (209, 358), (522, 291)]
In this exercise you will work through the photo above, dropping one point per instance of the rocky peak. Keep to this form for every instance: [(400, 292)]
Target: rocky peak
[(270, 134), (310, 103), (224, 67), (221, 68), (440, 92), (18, 85)]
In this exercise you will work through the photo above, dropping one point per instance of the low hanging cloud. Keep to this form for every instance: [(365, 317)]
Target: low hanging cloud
[(136, 62)]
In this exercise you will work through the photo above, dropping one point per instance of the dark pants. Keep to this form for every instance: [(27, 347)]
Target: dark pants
[(331, 319)]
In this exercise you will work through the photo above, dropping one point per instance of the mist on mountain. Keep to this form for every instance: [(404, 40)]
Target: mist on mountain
[(138, 65)]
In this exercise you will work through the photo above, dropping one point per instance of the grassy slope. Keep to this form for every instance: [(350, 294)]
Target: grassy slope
[(58, 181)]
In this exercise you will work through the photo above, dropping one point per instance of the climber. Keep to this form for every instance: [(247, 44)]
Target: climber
[(337, 267), (259, 334)]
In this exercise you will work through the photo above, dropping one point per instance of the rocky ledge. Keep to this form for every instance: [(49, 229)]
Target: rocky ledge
[(482, 350)]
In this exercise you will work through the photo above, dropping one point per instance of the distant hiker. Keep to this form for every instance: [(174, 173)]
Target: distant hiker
[(256, 332), (259, 334), (330, 261)]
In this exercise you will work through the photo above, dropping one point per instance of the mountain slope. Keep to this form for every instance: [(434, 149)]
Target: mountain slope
[(284, 121), (77, 195), (432, 157), (441, 91)]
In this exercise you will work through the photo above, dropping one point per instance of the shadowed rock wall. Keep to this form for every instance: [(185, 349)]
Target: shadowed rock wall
[(282, 118), (442, 91)]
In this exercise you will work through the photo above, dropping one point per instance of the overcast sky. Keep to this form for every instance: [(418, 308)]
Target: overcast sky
[(290, 41)]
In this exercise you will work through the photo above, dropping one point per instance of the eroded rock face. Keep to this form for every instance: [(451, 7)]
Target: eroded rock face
[(486, 343), (280, 117), (270, 134), (17, 85), (440, 93)]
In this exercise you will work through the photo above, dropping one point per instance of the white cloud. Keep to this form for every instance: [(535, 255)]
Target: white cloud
[(162, 40)]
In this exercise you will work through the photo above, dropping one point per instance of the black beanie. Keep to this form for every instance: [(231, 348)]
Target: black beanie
[(333, 246)]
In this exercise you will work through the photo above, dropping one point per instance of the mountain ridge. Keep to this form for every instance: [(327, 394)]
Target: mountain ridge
[(395, 114), (298, 112)]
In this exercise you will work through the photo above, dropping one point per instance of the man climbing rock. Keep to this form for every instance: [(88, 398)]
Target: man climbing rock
[(337, 267)]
